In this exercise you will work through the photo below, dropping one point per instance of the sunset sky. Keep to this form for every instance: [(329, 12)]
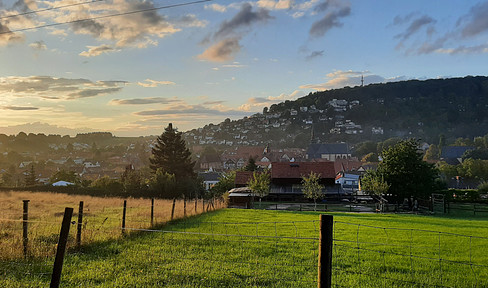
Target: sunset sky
[(67, 67)]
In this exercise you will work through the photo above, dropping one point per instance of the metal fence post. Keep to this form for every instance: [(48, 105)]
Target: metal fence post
[(325, 251), (123, 216), (80, 224), (25, 218), (63, 240)]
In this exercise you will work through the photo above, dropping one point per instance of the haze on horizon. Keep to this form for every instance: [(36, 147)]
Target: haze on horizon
[(200, 63)]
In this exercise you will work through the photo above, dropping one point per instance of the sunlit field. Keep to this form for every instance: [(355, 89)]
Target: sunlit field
[(102, 219), (257, 248)]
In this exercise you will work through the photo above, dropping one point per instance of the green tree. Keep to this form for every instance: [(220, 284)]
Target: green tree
[(163, 184), (226, 182), (370, 157), (8, 178), (30, 177), (312, 188), (63, 175), (251, 165), (172, 156), (407, 174), (259, 184), (442, 143), (448, 171), (109, 185), (483, 187), (132, 181), (387, 144), (374, 184), (432, 153), (365, 148), (463, 142), (479, 153)]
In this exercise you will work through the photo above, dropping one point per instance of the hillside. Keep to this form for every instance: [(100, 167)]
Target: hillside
[(455, 107)]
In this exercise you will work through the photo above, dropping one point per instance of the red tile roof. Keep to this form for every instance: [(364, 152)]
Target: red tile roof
[(295, 170), (242, 177)]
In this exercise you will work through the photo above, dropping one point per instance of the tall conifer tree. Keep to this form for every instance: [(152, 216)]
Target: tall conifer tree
[(171, 155)]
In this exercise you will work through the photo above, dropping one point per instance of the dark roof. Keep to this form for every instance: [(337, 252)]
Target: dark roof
[(449, 152), (315, 150), (295, 170), (210, 158), (242, 177), (209, 176)]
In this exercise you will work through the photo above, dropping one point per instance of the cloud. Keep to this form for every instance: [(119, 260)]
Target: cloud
[(329, 21), (256, 104), (315, 54), (233, 65), (461, 39), (187, 109), (216, 7), (231, 31), (191, 20), (38, 127), (53, 88), (476, 20), (38, 45), (20, 108), (88, 26), (340, 79), (221, 51), (144, 101), (92, 92), (97, 50), (115, 21), (276, 4), (415, 26), (464, 50), (154, 83), (244, 18), (7, 37), (213, 103)]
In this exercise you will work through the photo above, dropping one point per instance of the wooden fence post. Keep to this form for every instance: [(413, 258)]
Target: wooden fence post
[(123, 217), (173, 209), (325, 251), (184, 206), (63, 240), (203, 204), (25, 218), (152, 212), (196, 202), (80, 225)]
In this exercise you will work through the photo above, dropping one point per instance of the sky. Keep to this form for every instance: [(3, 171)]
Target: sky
[(130, 67)]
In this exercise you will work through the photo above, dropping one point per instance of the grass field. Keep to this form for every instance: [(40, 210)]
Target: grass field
[(260, 248), (102, 219)]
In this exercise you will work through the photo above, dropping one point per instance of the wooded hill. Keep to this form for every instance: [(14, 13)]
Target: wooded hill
[(455, 107)]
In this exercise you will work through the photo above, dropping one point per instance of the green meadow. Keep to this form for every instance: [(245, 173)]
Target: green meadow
[(261, 248)]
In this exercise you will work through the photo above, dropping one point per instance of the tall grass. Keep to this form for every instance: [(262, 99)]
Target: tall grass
[(260, 248), (102, 219)]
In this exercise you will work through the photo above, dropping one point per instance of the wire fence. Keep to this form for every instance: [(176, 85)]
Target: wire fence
[(194, 253), (368, 256), (29, 235)]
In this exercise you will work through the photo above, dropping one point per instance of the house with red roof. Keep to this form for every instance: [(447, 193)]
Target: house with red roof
[(286, 177)]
